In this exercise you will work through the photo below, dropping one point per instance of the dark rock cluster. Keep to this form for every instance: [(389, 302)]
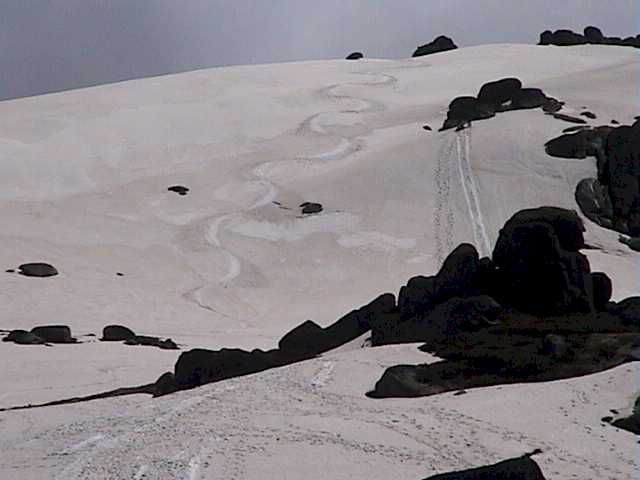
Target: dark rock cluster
[(591, 35), (611, 200), (533, 312), (440, 44), (498, 96), (521, 468), (119, 333), (41, 335)]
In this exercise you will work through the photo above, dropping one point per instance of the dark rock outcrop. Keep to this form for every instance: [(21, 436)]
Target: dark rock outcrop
[(179, 189), (537, 251), (309, 208), (591, 35), (497, 96), (199, 366), (568, 118), (148, 341), (37, 270), (522, 468), (528, 98), (355, 56), (22, 337), (440, 44), (632, 422), (116, 333), (466, 109), (54, 333), (499, 92)]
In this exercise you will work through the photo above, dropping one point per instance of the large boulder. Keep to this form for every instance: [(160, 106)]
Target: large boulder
[(198, 367), (593, 35), (565, 37), (355, 56), (22, 337), (621, 175), (522, 468), (38, 269), (417, 297), (440, 44), (459, 316), (538, 267), (54, 333), (526, 98), (466, 109), (500, 91), (602, 290), (307, 339), (116, 333)]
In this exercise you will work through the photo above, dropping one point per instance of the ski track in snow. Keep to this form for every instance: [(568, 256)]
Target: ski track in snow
[(346, 147), (463, 150), (444, 217)]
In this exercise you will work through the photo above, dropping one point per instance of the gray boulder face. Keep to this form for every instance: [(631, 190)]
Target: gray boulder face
[(54, 333), (22, 337), (523, 468), (355, 56), (37, 270), (116, 333), (440, 44), (594, 202)]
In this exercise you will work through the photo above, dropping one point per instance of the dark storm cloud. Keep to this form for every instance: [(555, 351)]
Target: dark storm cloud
[(50, 45)]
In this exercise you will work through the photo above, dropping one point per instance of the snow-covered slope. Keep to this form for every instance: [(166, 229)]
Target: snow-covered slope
[(234, 263)]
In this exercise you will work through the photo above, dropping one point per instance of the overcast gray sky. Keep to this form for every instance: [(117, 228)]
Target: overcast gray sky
[(51, 45)]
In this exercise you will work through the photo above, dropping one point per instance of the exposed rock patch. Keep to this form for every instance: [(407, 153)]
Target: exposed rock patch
[(355, 56), (522, 468), (37, 269), (497, 96), (309, 208), (179, 189), (439, 44)]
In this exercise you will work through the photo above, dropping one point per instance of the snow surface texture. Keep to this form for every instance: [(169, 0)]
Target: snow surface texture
[(85, 177)]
